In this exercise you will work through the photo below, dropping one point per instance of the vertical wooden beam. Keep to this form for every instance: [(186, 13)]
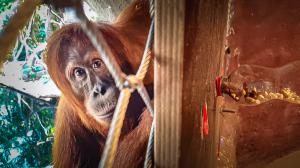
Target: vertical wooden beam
[(168, 48), (205, 31)]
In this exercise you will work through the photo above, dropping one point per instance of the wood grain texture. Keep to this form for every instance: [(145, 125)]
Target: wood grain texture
[(168, 48), (205, 31)]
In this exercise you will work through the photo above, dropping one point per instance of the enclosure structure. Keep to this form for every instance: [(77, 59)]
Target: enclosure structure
[(189, 53), (194, 45), (218, 37)]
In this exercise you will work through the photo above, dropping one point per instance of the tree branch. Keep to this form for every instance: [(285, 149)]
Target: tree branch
[(27, 95)]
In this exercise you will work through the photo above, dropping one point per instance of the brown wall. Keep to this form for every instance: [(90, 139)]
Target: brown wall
[(266, 32)]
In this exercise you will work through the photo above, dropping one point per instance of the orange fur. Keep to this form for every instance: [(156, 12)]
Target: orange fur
[(79, 139)]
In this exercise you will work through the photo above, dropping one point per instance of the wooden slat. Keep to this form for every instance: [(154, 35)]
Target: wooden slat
[(168, 48)]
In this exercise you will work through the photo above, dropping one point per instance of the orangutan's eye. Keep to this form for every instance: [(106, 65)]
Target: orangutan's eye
[(97, 64), (79, 73)]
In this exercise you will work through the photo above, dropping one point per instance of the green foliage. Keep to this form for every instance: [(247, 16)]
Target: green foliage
[(26, 124), (6, 20), (39, 29), (5, 4), (54, 26), (26, 128)]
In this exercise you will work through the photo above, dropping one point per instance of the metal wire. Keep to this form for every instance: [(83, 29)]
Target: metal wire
[(145, 96), (151, 8), (149, 159), (125, 83)]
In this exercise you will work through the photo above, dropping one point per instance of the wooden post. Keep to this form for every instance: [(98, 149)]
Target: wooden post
[(168, 48), (189, 50), (205, 32)]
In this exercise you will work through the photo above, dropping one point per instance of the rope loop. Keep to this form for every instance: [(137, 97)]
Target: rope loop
[(132, 82)]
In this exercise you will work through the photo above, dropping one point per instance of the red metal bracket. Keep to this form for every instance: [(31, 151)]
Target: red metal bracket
[(218, 85)]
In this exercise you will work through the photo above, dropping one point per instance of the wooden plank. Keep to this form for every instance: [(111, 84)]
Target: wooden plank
[(205, 31), (168, 48), (227, 124)]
